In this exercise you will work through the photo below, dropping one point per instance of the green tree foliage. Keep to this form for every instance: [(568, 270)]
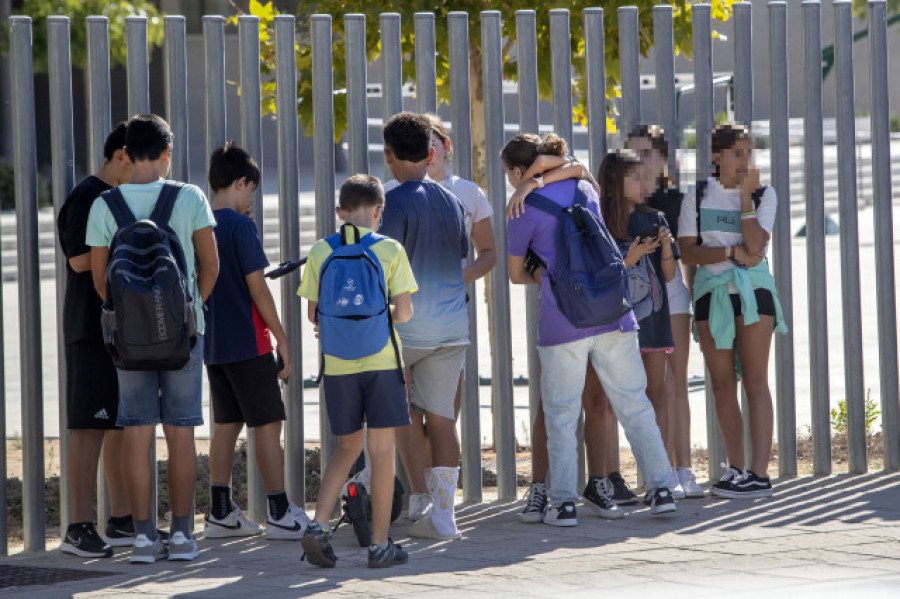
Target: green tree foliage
[(78, 11), (861, 7)]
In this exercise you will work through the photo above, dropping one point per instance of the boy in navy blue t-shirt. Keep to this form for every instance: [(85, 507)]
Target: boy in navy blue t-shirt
[(242, 369)]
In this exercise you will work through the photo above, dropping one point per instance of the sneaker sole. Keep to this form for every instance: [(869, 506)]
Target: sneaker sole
[(214, 531), (388, 564), (73, 550), (279, 534), (531, 517), (424, 529), (694, 495), (633, 501), (725, 494), (119, 541), (661, 510), (145, 559), (562, 523), (183, 557), (603, 513), (314, 553)]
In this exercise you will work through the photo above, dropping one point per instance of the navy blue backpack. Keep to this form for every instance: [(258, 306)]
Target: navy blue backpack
[(589, 279)]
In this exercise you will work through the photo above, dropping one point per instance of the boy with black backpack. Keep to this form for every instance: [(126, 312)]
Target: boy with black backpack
[(145, 237), (350, 280)]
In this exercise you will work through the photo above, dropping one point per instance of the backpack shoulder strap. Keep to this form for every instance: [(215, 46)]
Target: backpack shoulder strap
[(370, 239), (544, 204), (758, 195), (162, 212), (333, 240), (115, 201), (699, 192)]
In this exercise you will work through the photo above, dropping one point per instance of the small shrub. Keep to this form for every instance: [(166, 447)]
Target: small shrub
[(895, 123), (8, 188), (839, 417)]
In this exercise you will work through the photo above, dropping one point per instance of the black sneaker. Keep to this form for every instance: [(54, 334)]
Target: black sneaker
[(563, 515), (535, 504), (82, 540), (725, 485), (596, 499), (621, 494), (316, 546), (391, 555), (661, 501), (748, 486), (122, 535)]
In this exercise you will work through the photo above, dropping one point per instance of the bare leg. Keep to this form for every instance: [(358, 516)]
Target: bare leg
[(720, 363), (381, 450), (540, 461), (754, 342), (221, 452), (411, 443), (136, 444), (444, 442), (114, 469), (679, 437), (182, 468), (345, 454), (84, 451), (655, 367), (268, 455)]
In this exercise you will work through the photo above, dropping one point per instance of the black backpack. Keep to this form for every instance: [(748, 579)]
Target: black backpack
[(701, 191), (148, 317), (589, 279)]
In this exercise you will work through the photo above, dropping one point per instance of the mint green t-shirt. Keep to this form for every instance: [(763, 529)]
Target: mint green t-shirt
[(191, 213)]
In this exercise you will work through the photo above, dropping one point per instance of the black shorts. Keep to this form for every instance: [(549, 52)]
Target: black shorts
[(92, 387), (765, 304), (377, 397), (246, 391)]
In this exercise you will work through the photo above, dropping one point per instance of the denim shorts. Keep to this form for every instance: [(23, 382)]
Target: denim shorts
[(170, 397)]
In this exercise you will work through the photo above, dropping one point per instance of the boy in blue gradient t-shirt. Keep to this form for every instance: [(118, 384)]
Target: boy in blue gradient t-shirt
[(428, 220)]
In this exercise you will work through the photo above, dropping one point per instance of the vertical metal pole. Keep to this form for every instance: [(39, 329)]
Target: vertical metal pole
[(357, 109), (99, 125), (743, 113), (561, 73), (392, 62), (849, 214), (214, 47), (595, 72), (501, 359), (25, 166), (884, 235), (526, 60), (138, 65), (175, 58), (815, 237), (289, 229), (323, 124), (426, 74), (664, 47), (251, 141), (786, 418), (63, 149), (703, 99), (460, 116), (629, 69)]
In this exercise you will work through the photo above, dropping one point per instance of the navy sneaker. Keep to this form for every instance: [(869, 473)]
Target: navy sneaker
[(661, 501), (317, 547), (621, 494), (82, 540), (596, 499), (392, 555), (748, 486), (563, 515), (725, 484)]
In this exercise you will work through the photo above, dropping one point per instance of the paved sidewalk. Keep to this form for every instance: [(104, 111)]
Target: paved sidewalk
[(832, 537)]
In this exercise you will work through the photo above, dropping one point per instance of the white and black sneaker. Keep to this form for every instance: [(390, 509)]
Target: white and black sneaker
[(235, 524), (535, 504), (82, 540), (563, 515), (726, 483), (661, 501), (290, 527), (748, 486), (597, 499)]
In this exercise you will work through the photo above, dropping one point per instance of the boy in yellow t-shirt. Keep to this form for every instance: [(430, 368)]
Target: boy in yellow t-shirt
[(368, 388)]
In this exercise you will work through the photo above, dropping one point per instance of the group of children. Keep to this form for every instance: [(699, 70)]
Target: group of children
[(387, 297)]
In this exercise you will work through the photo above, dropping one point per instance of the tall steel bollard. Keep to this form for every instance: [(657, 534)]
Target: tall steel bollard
[(501, 358), (664, 47), (884, 234), (214, 48), (426, 74), (786, 418), (138, 65), (461, 132), (629, 69), (561, 73), (357, 109), (63, 155), (392, 62), (25, 167), (175, 59), (289, 229), (849, 215), (815, 237), (97, 88)]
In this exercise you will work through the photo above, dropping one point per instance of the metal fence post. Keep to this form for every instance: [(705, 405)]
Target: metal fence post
[(629, 70), (786, 418), (251, 141), (289, 229), (392, 62), (461, 132), (664, 47), (138, 65), (884, 235), (526, 63), (426, 73), (25, 167), (357, 109), (815, 237), (501, 358), (561, 74), (63, 149), (849, 231), (175, 58), (214, 48)]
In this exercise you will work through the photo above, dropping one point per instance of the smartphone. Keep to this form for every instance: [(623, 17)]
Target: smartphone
[(652, 233)]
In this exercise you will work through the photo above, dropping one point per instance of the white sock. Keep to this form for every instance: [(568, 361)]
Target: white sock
[(442, 515)]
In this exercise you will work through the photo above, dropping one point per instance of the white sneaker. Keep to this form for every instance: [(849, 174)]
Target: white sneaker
[(420, 504), (182, 548), (145, 551), (689, 483), (675, 486), (235, 524), (290, 527), (563, 515)]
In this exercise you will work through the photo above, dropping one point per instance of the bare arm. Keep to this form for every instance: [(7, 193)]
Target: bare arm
[(691, 253), (543, 163), (99, 256), (668, 256), (519, 275), (568, 170), (403, 309), (265, 305), (81, 262), (208, 259), (311, 308), (485, 250)]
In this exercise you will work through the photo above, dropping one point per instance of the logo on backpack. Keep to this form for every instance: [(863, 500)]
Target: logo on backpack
[(589, 279), (148, 318), (354, 309)]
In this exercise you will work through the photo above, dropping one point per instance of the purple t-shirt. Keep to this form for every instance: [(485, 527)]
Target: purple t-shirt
[(537, 230)]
